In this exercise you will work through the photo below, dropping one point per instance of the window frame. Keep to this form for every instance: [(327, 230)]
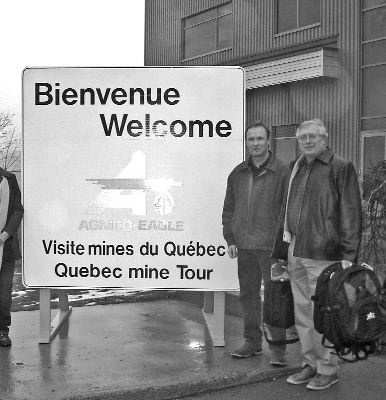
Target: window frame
[(298, 28), (363, 65), (362, 96), (217, 50), (363, 68), (365, 134), (363, 8), (363, 11), (275, 139)]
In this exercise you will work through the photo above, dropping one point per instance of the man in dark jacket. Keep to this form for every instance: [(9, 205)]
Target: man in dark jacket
[(320, 224), (254, 194), (11, 213)]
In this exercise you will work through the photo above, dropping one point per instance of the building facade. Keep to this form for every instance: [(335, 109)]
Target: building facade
[(303, 59)]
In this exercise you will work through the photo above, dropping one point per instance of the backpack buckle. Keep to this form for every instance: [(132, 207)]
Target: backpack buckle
[(367, 266)]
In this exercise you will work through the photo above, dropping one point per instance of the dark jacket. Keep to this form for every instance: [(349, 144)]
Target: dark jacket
[(15, 214), (252, 205), (330, 223)]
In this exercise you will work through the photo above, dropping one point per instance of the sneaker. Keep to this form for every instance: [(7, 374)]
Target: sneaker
[(322, 381), (4, 339), (303, 376), (247, 350)]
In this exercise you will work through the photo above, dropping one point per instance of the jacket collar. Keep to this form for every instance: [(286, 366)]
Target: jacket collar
[(271, 165), (3, 172), (325, 157)]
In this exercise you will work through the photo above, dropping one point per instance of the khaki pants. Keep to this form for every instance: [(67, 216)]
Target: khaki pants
[(304, 273)]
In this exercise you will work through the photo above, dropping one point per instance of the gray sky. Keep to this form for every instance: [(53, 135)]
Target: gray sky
[(43, 33)]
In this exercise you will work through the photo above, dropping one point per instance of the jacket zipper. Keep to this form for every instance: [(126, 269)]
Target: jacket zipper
[(250, 184), (308, 171)]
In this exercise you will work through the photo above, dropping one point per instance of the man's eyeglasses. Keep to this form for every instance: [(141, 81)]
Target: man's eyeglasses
[(311, 136)]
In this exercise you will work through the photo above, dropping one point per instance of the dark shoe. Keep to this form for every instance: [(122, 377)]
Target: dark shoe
[(4, 339), (322, 381), (303, 376), (247, 350)]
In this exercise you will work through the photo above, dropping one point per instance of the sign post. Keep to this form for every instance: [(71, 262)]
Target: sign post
[(214, 314), (125, 173), (48, 327)]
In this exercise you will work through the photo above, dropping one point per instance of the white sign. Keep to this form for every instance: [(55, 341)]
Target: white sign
[(124, 176)]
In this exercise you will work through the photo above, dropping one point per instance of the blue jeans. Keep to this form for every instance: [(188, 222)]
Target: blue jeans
[(253, 266), (6, 280)]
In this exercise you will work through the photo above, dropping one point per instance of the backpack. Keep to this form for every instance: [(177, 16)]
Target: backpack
[(350, 310)]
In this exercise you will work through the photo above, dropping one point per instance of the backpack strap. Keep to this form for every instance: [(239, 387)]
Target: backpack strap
[(278, 342), (324, 344), (358, 352), (333, 176)]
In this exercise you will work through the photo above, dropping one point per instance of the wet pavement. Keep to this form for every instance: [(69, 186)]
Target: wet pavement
[(149, 350), (357, 381)]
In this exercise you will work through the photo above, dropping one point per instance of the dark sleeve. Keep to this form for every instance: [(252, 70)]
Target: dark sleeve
[(282, 192), (280, 248), (227, 213), (350, 212), (16, 216)]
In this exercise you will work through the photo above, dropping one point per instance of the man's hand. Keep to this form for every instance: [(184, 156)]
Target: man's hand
[(3, 237), (346, 264), (232, 251)]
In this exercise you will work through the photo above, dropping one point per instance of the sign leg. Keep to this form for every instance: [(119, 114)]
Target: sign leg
[(45, 315), (214, 314), (48, 328)]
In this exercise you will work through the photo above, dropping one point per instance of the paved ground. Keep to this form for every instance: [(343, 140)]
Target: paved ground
[(363, 380), (152, 350), (158, 349)]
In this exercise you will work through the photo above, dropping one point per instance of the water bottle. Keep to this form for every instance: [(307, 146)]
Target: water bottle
[(279, 271)]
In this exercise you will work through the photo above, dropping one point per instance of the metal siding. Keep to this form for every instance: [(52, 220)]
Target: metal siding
[(164, 32), (247, 27), (254, 29), (335, 101), (269, 104), (294, 68), (211, 59)]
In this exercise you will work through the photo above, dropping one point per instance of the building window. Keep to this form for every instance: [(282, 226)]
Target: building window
[(373, 65), (374, 91), (208, 31), (373, 149), (295, 14), (285, 143), (373, 137)]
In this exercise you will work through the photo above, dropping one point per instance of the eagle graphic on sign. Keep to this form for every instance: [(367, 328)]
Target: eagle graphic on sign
[(130, 188)]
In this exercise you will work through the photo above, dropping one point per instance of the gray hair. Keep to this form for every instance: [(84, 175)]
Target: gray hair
[(316, 123)]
